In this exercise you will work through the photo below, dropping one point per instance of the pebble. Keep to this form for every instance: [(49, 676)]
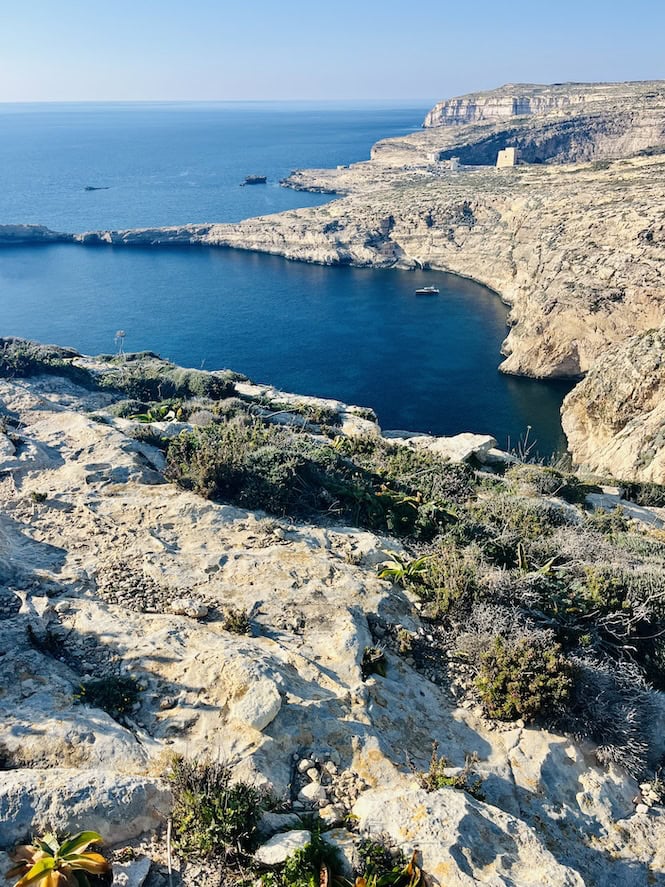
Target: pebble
[(305, 765), (314, 774), (641, 808), (191, 607)]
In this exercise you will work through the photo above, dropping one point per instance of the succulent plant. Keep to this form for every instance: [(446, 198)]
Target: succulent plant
[(58, 864)]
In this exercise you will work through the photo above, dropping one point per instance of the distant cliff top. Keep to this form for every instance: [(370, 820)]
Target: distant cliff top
[(522, 99)]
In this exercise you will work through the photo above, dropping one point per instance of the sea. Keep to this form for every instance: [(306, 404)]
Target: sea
[(359, 335)]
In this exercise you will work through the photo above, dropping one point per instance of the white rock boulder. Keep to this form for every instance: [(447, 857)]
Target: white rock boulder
[(281, 846), (119, 807), (259, 705)]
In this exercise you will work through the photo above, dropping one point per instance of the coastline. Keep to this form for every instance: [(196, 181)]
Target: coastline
[(574, 247)]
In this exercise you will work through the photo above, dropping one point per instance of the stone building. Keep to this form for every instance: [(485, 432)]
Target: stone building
[(507, 157)]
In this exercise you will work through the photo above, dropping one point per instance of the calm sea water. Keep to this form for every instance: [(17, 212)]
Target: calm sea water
[(427, 364)]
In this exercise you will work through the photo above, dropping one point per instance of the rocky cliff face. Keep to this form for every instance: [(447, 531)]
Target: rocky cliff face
[(573, 250), (528, 99), (615, 418)]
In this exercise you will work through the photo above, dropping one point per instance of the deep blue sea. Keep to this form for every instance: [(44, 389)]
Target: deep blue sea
[(423, 363)]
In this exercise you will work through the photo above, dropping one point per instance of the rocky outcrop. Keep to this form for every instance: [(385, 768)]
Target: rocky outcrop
[(528, 99), (615, 418), (91, 558), (11, 235), (573, 250)]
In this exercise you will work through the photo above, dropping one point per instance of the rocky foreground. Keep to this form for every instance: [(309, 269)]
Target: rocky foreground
[(105, 568), (573, 240)]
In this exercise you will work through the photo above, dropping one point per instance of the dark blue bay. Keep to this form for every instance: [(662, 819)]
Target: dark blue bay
[(424, 363), (427, 364)]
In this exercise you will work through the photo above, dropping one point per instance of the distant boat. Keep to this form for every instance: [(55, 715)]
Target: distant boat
[(427, 291), (255, 180), (96, 188)]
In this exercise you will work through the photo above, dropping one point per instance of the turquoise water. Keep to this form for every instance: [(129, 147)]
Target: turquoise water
[(426, 364)]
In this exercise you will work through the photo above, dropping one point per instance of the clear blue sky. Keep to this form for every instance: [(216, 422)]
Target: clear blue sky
[(59, 50)]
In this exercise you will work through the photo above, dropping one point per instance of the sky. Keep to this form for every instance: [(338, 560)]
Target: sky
[(220, 50)]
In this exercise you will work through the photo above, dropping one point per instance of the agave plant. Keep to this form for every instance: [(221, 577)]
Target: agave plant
[(56, 864), (401, 570)]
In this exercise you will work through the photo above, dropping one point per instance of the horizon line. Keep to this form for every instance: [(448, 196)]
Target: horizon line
[(207, 101)]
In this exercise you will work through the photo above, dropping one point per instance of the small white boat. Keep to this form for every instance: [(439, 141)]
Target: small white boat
[(427, 291)]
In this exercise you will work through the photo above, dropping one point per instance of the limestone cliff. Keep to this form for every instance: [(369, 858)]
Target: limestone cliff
[(615, 418), (524, 99), (572, 239)]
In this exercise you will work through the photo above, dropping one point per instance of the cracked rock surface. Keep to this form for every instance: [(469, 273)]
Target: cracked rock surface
[(286, 705)]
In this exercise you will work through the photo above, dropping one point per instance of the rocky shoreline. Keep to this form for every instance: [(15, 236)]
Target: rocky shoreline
[(573, 243)]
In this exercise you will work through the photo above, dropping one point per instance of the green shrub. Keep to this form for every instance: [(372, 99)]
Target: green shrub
[(525, 678), (149, 378), (430, 475), (373, 859), (124, 409), (212, 815), (257, 465), (450, 580), (116, 694), (20, 358), (607, 522), (148, 435), (528, 518), (377, 865), (304, 867), (547, 481), (466, 780), (237, 621), (314, 413), (602, 591), (648, 494)]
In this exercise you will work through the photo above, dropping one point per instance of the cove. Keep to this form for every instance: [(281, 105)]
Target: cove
[(425, 363)]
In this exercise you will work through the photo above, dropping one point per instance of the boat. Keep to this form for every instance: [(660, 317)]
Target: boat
[(427, 291), (255, 180)]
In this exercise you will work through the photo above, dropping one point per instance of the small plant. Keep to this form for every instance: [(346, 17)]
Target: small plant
[(169, 411), (525, 678), (436, 777), (405, 640), (59, 864), (401, 874), (115, 694), (212, 815), (404, 571), (38, 498), (310, 867), (607, 522), (647, 494), (237, 621), (450, 580), (373, 662)]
